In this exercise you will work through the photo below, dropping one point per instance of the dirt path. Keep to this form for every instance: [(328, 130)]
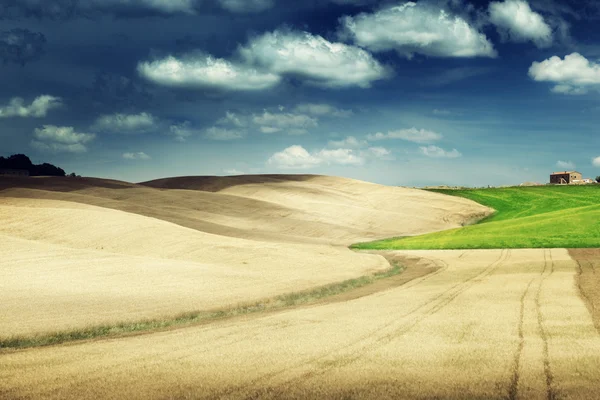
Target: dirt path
[(489, 324)]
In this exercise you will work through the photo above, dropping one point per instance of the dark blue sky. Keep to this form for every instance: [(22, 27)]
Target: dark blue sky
[(418, 93)]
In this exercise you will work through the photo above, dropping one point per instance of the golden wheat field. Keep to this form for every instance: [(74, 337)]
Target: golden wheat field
[(484, 324)]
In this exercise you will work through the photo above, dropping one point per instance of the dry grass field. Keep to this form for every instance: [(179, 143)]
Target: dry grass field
[(496, 324), (455, 324), (85, 252)]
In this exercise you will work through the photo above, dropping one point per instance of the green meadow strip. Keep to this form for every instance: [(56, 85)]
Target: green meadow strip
[(187, 319), (525, 217)]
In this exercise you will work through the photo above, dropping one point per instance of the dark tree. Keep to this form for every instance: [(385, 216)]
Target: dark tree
[(21, 161), (46, 169), (16, 161), (598, 179)]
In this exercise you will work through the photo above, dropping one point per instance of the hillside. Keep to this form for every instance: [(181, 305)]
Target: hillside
[(525, 217), (103, 251)]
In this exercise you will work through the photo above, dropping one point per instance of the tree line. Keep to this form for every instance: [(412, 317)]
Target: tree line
[(21, 161)]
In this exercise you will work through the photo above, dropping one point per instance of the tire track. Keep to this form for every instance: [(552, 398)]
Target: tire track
[(265, 377), (551, 393), (435, 305), (514, 382), (588, 300), (461, 287)]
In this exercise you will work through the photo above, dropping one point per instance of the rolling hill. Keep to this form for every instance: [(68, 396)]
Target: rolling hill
[(525, 217)]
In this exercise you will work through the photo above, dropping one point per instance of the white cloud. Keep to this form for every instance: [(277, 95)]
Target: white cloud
[(322, 110), (37, 109), (380, 152), (339, 156), (218, 133), (573, 75), (313, 58), (62, 134), (288, 122), (438, 152), (565, 165), (297, 157), (58, 147), (348, 142), (294, 157), (205, 71), (125, 123), (416, 28), (181, 132), (570, 90), (412, 135), (233, 119), (233, 171), (136, 156), (519, 23), (596, 162), (246, 6), (59, 139)]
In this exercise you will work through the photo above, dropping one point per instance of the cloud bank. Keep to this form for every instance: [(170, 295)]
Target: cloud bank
[(416, 28), (517, 22)]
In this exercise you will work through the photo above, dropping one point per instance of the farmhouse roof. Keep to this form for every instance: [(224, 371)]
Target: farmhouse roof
[(566, 172)]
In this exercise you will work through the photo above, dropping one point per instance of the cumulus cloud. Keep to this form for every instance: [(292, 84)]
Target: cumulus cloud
[(125, 123), (233, 171), (362, 148), (21, 46), (438, 152), (51, 138), (295, 124), (181, 132), (570, 90), (313, 59), (519, 23), (218, 133), (414, 28), (294, 157), (380, 152), (339, 156), (206, 71), (297, 157), (573, 75), (596, 161), (53, 147), (565, 165), (136, 156), (37, 109), (233, 119), (322, 110), (412, 135)]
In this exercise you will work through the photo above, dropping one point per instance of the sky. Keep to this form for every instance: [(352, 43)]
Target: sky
[(430, 92)]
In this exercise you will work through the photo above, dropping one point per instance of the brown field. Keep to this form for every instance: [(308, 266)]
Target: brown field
[(489, 324), (485, 324), (99, 252)]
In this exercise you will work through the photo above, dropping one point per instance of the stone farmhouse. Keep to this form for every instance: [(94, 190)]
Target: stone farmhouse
[(569, 178)]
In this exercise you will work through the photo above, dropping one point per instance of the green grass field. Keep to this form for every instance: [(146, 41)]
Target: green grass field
[(526, 217)]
